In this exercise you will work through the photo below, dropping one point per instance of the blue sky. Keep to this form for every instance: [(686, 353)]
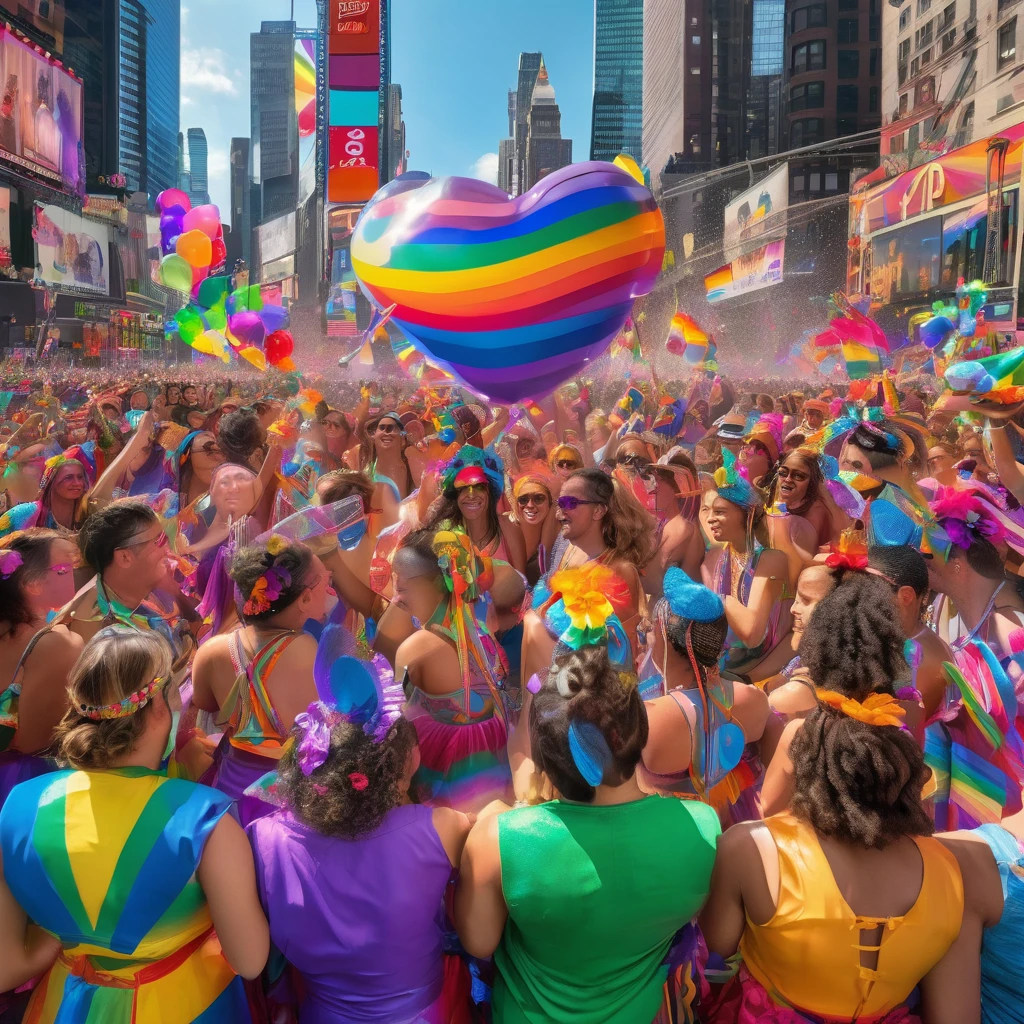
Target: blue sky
[(454, 60)]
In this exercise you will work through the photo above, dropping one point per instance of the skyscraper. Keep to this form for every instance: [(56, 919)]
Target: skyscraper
[(394, 141), (241, 228), (529, 65), (507, 150), (617, 121), (198, 154), (148, 96), (275, 132), (546, 150)]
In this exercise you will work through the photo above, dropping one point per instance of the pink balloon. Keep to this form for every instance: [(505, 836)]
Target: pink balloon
[(203, 218), (173, 197)]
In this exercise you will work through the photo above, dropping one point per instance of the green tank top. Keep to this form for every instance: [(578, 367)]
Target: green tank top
[(595, 896)]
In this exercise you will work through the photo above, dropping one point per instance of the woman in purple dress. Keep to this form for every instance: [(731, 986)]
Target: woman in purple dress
[(352, 875)]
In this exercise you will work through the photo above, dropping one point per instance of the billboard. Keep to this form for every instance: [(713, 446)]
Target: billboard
[(40, 114), (759, 210), (277, 237), (71, 252), (5, 226), (353, 172), (354, 26), (45, 16), (759, 269)]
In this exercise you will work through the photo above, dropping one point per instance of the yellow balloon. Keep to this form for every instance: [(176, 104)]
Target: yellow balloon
[(213, 343), (195, 247), (254, 356)]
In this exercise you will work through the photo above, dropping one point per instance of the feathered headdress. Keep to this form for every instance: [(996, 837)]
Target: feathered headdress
[(582, 605), (475, 465), (966, 517), (732, 485)]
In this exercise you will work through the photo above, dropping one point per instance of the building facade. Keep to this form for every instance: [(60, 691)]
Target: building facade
[(198, 167), (617, 117), (950, 75), (149, 60), (241, 226), (529, 65), (546, 150), (274, 147), (394, 140)]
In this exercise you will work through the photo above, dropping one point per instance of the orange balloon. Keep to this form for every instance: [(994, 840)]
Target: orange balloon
[(195, 247)]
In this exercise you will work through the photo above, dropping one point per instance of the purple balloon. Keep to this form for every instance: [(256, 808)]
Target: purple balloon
[(248, 328), (275, 318)]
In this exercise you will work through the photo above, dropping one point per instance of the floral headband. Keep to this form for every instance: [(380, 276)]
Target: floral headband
[(966, 518), (10, 562), (876, 709), (271, 583), (123, 708), (486, 460)]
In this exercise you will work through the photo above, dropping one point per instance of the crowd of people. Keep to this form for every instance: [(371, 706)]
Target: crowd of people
[(666, 702)]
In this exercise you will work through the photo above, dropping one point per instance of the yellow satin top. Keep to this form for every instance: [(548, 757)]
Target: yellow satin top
[(808, 954)]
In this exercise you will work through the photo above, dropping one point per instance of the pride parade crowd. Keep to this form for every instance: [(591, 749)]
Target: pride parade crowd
[(644, 703)]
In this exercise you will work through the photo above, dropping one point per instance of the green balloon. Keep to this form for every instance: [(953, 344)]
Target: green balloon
[(190, 324), (249, 298), (176, 273), (216, 317), (213, 290)]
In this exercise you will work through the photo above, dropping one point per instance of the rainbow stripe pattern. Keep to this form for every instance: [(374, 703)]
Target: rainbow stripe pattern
[(688, 339), (512, 296), (138, 940)]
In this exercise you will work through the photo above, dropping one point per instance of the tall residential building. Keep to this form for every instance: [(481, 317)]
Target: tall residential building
[(617, 120), (546, 150), (529, 65), (394, 140), (198, 158), (241, 227), (950, 76), (274, 151), (149, 93), (833, 75)]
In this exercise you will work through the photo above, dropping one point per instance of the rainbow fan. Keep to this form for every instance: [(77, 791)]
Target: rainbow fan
[(688, 339), (862, 342), (305, 88)]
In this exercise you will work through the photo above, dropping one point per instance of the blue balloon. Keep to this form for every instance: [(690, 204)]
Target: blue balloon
[(275, 318)]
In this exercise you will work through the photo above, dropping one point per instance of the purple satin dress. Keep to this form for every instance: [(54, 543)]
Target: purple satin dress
[(361, 920)]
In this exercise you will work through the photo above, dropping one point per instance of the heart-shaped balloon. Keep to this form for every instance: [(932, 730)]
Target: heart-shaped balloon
[(513, 296)]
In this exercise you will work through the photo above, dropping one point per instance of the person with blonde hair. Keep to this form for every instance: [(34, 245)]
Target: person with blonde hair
[(144, 886)]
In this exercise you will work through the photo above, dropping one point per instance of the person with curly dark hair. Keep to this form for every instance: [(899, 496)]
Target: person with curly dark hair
[(843, 906), (352, 873), (580, 898), (257, 679)]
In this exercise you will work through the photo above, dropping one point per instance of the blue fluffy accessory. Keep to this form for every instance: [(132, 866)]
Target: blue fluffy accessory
[(732, 485), (691, 600), (589, 751)]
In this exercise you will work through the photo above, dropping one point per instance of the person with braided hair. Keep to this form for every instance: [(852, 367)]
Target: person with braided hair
[(844, 906), (582, 899)]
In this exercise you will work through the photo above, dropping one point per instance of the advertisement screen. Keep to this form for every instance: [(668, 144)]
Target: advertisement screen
[(354, 26), (40, 114), (907, 261), (352, 164), (759, 269), (759, 210), (46, 16), (71, 252), (5, 225)]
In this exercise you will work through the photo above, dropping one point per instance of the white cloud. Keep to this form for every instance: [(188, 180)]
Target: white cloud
[(204, 70), (184, 20), (486, 168)]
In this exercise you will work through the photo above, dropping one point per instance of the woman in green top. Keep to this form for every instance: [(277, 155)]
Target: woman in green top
[(580, 899)]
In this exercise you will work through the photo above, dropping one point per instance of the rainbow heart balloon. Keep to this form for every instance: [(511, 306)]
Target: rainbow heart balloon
[(512, 296)]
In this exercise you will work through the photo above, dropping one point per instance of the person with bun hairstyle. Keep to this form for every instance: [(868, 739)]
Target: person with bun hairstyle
[(259, 677), (36, 578), (580, 899), (351, 872), (844, 906), (143, 885)]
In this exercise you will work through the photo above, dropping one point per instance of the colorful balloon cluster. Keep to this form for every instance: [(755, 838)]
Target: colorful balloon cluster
[(220, 321), (191, 240), (994, 378), (512, 296)]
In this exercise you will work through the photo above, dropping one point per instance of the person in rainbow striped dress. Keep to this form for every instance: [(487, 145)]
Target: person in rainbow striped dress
[(107, 866)]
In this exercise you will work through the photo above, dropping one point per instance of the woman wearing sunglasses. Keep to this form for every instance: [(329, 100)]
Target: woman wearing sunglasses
[(155, 921), (565, 459), (535, 514), (471, 488), (36, 578), (258, 678), (384, 454), (333, 435)]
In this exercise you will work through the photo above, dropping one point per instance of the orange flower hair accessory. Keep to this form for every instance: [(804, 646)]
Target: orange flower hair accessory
[(877, 709), (851, 553)]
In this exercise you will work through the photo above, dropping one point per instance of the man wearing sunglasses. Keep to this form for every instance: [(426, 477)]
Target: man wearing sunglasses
[(127, 546)]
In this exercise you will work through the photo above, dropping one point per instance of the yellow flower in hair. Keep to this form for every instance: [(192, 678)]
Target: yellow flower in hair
[(276, 545), (877, 709)]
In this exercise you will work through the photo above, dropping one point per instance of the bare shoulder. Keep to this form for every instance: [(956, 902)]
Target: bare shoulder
[(791, 698), (214, 649), (60, 640)]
